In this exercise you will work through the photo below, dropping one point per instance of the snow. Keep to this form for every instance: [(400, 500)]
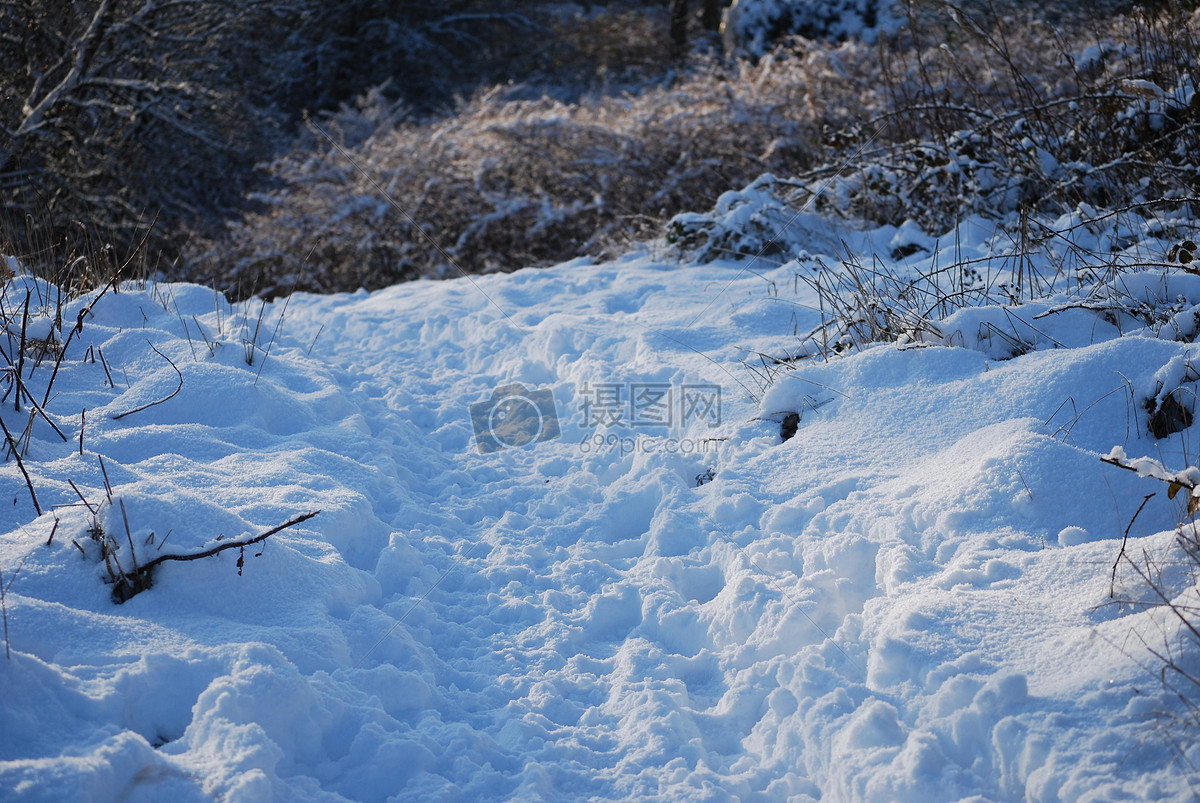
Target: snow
[(909, 600), (754, 25)]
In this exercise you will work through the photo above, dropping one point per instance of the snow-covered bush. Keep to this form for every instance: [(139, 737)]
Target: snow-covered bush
[(1002, 115), (1012, 117), (369, 198), (752, 222), (977, 285), (960, 114), (754, 26)]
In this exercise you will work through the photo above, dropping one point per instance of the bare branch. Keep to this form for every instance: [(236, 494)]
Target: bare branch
[(12, 446), (34, 115), (208, 553), (173, 394), (1124, 541)]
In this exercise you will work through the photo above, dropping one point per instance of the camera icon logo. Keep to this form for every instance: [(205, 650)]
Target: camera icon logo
[(514, 416)]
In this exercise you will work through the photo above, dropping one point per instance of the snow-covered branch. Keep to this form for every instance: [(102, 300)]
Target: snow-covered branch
[(1188, 479), (35, 109)]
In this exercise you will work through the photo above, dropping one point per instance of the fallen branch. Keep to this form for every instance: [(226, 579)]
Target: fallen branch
[(160, 401), (127, 585), (208, 553)]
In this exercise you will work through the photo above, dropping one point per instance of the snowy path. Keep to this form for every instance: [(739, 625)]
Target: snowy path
[(570, 621), (903, 602)]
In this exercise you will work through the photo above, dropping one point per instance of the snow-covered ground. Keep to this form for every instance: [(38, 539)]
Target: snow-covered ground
[(909, 600)]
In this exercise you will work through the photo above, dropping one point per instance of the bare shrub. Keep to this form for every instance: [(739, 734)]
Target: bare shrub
[(1008, 117), (118, 110), (121, 111), (963, 112), (987, 114), (507, 182)]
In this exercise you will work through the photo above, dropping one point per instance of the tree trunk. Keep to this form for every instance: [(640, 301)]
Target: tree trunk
[(679, 21)]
